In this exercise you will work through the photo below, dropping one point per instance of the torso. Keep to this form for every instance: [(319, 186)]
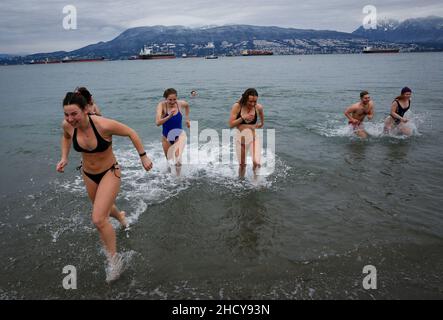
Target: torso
[(243, 112), (95, 161), (362, 112), (175, 122)]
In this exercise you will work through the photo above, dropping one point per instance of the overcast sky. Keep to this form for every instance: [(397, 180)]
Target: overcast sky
[(37, 26)]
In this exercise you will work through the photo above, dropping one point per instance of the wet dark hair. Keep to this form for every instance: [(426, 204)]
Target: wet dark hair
[(363, 93), (75, 98), (246, 94), (85, 93), (168, 92), (403, 91)]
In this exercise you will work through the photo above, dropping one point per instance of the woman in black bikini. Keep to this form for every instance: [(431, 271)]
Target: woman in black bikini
[(399, 107), (244, 117), (92, 136)]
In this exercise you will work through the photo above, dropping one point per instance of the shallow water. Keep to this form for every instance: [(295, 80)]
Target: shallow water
[(332, 205)]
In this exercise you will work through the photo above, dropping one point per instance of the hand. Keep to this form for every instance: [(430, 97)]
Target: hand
[(147, 163), (188, 123), (248, 118), (174, 111), (61, 165), (404, 120), (355, 121)]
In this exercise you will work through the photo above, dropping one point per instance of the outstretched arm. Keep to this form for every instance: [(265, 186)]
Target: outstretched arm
[(65, 148), (262, 117), (113, 127), (185, 105), (233, 121), (371, 110)]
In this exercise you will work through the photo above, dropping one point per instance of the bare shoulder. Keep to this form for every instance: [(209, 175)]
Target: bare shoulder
[(259, 107), (236, 107), (102, 122), (183, 102)]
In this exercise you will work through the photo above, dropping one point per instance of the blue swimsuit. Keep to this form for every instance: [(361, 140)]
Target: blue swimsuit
[(173, 127)]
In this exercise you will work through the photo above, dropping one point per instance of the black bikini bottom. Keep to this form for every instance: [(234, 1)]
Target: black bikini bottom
[(98, 176)]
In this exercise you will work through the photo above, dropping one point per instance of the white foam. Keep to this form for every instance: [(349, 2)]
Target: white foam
[(142, 189)]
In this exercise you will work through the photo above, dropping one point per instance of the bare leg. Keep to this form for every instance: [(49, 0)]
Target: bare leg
[(166, 145), (104, 199), (91, 188), (388, 125), (361, 133), (120, 216), (179, 147), (241, 156), (405, 130), (256, 153)]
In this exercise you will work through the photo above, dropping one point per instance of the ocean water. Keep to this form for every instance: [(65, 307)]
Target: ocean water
[(305, 230)]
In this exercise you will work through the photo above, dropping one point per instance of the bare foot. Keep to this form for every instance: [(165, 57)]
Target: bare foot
[(122, 219)]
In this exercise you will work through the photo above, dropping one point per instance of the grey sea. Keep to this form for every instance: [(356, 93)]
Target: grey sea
[(305, 230)]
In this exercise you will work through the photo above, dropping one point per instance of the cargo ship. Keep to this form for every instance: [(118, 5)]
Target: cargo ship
[(70, 60), (66, 60), (148, 54), (256, 53), (46, 61), (380, 50)]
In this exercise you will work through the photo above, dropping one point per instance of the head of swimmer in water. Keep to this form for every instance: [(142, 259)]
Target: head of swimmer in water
[(171, 96), (365, 97), (75, 109), (405, 94), (249, 98)]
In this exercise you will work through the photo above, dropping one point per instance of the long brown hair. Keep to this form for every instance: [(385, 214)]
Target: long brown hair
[(246, 94)]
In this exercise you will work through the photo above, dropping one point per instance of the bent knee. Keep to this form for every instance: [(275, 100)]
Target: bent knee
[(99, 221)]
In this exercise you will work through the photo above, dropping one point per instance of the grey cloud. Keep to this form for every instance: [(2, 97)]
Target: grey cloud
[(37, 25)]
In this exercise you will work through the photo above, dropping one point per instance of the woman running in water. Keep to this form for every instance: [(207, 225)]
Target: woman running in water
[(91, 107), (244, 117), (169, 115), (396, 120), (92, 136)]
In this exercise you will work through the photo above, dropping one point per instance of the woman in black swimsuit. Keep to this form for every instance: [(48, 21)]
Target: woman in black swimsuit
[(399, 107), (92, 136), (244, 117)]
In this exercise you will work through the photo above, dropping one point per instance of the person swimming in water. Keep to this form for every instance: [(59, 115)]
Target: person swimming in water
[(92, 136), (244, 116), (92, 107), (170, 116), (357, 113), (396, 121)]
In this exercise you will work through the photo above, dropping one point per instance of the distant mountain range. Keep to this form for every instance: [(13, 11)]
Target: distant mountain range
[(410, 35), (419, 31)]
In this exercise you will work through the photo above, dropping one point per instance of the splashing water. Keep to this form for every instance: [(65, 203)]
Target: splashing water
[(142, 189), (336, 127)]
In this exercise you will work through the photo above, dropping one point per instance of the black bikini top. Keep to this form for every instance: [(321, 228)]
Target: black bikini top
[(102, 144), (244, 122)]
